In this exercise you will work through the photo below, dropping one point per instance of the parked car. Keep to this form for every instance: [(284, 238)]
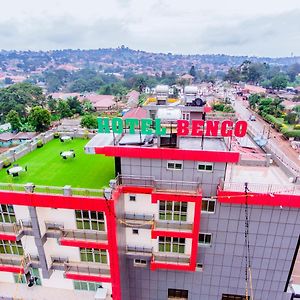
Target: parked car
[(252, 118)]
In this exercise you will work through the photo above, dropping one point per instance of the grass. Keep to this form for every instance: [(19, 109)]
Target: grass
[(46, 167)]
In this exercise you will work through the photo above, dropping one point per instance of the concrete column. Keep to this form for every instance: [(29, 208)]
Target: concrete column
[(67, 189), (39, 242)]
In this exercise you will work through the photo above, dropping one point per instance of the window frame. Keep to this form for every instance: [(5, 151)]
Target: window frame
[(135, 231), (11, 247), (198, 267), (93, 255), (138, 262), (171, 245), (209, 200), (170, 211), (175, 162), (89, 284), (34, 272), (205, 164), (205, 244), (7, 214), (132, 196), (90, 220)]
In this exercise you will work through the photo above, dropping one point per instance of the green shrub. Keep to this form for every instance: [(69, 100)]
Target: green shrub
[(39, 144), (56, 135), (291, 133), (271, 119), (297, 126), (6, 163)]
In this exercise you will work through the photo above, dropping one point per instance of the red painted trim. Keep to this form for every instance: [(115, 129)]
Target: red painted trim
[(169, 266), (196, 230), (169, 153), (157, 232), (83, 244), (270, 199), (179, 197), (7, 237), (76, 276), (5, 268), (54, 201), (136, 189), (111, 223)]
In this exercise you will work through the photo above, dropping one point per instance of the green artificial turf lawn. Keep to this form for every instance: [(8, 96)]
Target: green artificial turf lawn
[(47, 167)]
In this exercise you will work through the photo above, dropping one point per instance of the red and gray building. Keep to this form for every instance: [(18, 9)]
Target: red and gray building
[(170, 226)]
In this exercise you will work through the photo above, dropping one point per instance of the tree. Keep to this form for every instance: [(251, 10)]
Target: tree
[(192, 71), (39, 118), (254, 100), (64, 109), (75, 105), (52, 105), (89, 121), (88, 106), (279, 82), (14, 119)]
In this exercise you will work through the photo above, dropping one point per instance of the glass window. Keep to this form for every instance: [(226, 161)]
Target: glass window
[(208, 205), (7, 214), (132, 198), (171, 210), (90, 220), (86, 286), (135, 231), (174, 165), (171, 244), (10, 247), (205, 239), (178, 294), (93, 255), (208, 167), (139, 262)]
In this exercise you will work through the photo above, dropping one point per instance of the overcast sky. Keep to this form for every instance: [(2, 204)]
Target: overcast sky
[(236, 27)]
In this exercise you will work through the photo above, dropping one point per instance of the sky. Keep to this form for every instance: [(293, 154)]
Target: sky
[(234, 27)]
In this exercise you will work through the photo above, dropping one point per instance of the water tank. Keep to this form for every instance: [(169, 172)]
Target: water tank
[(162, 89), (191, 89)]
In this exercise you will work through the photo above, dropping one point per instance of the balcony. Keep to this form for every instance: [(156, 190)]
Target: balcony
[(14, 231), (171, 261), (139, 220), (139, 251), (159, 185), (173, 226), (18, 263), (76, 237)]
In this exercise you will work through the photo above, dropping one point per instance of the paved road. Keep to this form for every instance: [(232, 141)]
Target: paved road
[(276, 142)]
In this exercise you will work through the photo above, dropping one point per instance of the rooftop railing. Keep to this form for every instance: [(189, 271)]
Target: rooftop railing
[(159, 185), (262, 188), (66, 191)]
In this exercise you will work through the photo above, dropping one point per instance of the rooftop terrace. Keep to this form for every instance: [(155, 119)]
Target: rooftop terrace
[(46, 167)]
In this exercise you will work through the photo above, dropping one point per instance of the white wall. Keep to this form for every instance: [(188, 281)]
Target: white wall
[(22, 212), (52, 248), (62, 216), (57, 280), (29, 245), (6, 277), (190, 212), (141, 206), (143, 239)]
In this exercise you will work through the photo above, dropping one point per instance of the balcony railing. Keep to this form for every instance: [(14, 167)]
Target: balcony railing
[(139, 217), (57, 230), (173, 226), (87, 268), (138, 251), (17, 229), (262, 188), (171, 258), (19, 260), (66, 191), (158, 185)]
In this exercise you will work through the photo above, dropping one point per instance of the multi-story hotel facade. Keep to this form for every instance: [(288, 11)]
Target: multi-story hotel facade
[(185, 217)]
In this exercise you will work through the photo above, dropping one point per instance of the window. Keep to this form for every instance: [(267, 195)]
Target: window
[(93, 255), (178, 294), (172, 210), (7, 214), (171, 244), (21, 278), (234, 297), (174, 165), (86, 285), (186, 116), (91, 220), (135, 231), (205, 239), (132, 198), (208, 205), (208, 167), (140, 263), (9, 247), (199, 267)]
